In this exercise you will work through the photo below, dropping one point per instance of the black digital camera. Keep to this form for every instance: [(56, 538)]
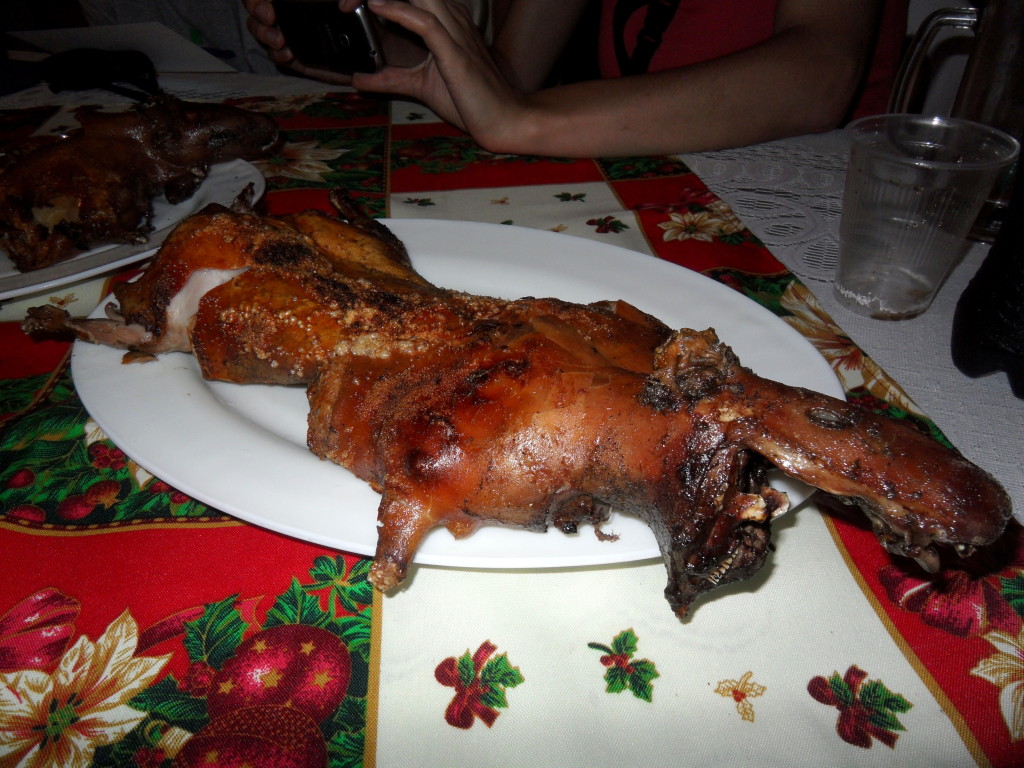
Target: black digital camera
[(321, 36)]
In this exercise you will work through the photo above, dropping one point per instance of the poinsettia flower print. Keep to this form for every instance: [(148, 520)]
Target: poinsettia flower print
[(1005, 670), (303, 160), (479, 682), (954, 601), (701, 226), (867, 709), (728, 222), (60, 719), (968, 599)]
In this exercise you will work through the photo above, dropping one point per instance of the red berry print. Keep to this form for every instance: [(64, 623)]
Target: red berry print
[(107, 456), (22, 478), (103, 494), (29, 512), (75, 507)]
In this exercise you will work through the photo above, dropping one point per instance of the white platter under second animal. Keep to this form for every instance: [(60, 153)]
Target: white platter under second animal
[(242, 448), (222, 185)]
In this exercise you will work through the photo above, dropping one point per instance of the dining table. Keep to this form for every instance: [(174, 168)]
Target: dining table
[(185, 584)]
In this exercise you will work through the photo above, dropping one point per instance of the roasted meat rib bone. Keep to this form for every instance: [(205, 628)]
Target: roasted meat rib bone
[(466, 410)]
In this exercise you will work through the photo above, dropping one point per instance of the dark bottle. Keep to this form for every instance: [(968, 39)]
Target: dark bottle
[(988, 326)]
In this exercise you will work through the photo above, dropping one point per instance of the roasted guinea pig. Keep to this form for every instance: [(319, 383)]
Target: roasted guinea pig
[(466, 410), (97, 185)]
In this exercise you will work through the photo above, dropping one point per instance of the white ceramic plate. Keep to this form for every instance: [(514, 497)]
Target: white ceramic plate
[(221, 185), (242, 448)]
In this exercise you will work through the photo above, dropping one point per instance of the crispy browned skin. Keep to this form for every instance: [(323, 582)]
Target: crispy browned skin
[(467, 410), (96, 186)]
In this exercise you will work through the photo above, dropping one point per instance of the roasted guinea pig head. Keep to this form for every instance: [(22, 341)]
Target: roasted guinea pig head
[(467, 410), (97, 184), (917, 494)]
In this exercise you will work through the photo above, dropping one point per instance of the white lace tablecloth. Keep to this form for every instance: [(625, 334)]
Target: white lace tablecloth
[(789, 193)]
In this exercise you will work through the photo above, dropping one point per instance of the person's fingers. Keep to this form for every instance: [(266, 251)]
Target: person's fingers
[(445, 28), (261, 23), (397, 80), (268, 37), (458, 74), (262, 11)]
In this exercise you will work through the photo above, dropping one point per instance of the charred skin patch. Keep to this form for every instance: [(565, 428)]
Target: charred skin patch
[(331, 291), (660, 397), (697, 382), (474, 387), (283, 254)]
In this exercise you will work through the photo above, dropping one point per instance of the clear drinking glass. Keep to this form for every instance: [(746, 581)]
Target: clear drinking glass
[(914, 187)]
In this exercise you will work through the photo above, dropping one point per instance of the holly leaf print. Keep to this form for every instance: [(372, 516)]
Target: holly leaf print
[(350, 717), (165, 700), (346, 749), (214, 636), (1013, 592), (625, 642), (355, 632), (874, 694), (607, 224), (644, 670), (295, 606), (642, 689), (17, 394), (467, 672), (345, 734), (743, 690), (494, 698), (885, 720), (841, 690), (617, 679), (623, 673), (496, 676), (499, 672), (349, 588)]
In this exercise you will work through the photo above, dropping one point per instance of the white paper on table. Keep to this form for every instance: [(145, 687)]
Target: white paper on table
[(169, 51)]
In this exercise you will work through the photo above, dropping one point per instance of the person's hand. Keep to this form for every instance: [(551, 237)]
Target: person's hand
[(262, 23), (459, 80)]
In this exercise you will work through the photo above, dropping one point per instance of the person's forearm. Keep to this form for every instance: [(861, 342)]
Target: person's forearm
[(789, 85)]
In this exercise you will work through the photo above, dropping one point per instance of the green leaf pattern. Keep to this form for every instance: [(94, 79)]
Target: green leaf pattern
[(623, 672)]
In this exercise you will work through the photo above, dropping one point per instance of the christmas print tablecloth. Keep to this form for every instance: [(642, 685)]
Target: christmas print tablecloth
[(141, 627)]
